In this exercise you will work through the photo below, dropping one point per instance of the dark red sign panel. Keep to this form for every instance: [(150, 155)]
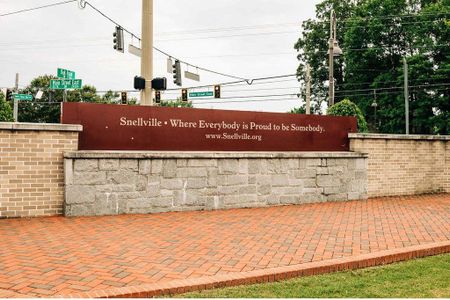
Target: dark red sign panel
[(117, 127)]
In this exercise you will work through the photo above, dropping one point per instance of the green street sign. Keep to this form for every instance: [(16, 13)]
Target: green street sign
[(201, 94), (64, 84), (66, 74), (23, 97), (70, 75), (77, 84)]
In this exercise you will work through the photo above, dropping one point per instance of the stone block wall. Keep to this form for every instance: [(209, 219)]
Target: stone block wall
[(112, 183), (31, 168), (405, 165)]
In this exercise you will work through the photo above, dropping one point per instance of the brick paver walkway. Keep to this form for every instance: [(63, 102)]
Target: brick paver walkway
[(60, 256)]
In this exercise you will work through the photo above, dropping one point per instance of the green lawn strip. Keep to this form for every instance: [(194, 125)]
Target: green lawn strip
[(422, 278)]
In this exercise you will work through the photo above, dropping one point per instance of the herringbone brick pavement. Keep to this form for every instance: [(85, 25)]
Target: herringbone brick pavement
[(44, 257)]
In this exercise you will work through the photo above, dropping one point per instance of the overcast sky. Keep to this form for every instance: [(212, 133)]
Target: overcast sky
[(247, 38)]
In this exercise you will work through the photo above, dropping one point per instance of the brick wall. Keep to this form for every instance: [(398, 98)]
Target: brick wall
[(31, 168), (405, 165)]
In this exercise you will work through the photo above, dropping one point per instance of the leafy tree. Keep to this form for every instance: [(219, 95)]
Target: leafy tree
[(375, 36), (349, 109), (298, 110), (48, 108), (313, 47), (111, 97), (6, 113)]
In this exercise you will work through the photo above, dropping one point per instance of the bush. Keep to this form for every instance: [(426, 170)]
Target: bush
[(298, 110), (347, 108), (6, 113)]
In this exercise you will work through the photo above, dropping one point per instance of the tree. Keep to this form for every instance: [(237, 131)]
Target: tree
[(6, 113), (313, 47), (349, 109), (298, 110), (110, 97), (48, 108), (176, 103), (376, 35)]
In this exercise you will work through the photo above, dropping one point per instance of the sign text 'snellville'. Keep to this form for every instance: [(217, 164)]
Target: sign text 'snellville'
[(219, 126), (138, 128)]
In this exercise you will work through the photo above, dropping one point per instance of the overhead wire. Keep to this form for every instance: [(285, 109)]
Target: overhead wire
[(84, 3), (37, 8)]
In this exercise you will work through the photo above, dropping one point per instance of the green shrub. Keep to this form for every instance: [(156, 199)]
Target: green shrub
[(298, 110), (6, 113), (349, 109)]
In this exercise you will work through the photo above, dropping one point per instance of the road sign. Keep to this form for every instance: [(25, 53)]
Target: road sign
[(77, 84), (201, 94), (23, 97), (64, 84), (66, 74)]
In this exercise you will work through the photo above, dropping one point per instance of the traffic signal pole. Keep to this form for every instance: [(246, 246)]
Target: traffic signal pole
[(147, 52)]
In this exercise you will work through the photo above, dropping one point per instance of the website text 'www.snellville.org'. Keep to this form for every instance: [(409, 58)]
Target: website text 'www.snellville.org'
[(234, 136)]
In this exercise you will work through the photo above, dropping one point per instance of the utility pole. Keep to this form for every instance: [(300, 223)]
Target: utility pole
[(147, 52), (333, 51), (16, 102), (331, 65), (405, 72), (308, 89), (375, 106)]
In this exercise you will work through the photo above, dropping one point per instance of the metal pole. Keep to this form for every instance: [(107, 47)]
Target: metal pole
[(331, 61), (147, 51), (375, 106), (17, 82), (405, 72), (16, 110), (16, 102), (308, 89)]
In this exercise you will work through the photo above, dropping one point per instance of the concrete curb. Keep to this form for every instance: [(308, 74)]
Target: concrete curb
[(268, 275)]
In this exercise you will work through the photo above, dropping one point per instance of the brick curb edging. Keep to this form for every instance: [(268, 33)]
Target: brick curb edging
[(268, 275)]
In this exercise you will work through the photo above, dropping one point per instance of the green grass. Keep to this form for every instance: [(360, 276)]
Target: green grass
[(421, 278)]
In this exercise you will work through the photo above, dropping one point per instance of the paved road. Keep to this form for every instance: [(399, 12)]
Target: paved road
[(44, 257)]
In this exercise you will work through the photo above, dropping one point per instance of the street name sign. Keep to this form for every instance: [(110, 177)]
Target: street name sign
[(64, 84), (201, 94), (66, 74), (77, 83), (23, 97)]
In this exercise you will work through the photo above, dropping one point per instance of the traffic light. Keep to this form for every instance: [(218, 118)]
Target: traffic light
[(217, 91), (123, 97), (184, 95), (159, 84), (118, 39), (139, 83), (176, 70), (9, 95), (158, 97)]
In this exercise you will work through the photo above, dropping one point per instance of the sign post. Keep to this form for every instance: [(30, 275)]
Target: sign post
[(66, 81), (17, 98)]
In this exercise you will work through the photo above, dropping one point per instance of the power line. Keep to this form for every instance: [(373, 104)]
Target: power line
[(394, 88), (240, 28), (245, 101), (83, 4), (386, 47), (349, 20), (37, 8), (245, 82), (399, 92)]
